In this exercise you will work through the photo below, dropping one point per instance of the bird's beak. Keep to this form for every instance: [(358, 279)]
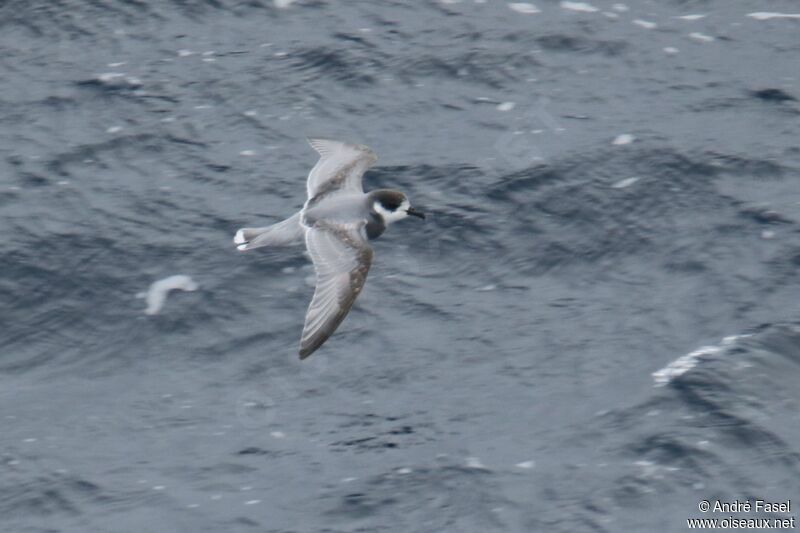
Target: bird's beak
[(414, 213)]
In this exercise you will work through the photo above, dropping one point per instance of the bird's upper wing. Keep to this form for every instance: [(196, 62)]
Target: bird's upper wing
[(340, 166), (342, 259)]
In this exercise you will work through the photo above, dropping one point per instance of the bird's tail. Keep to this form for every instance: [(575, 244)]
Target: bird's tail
[(286, 232)]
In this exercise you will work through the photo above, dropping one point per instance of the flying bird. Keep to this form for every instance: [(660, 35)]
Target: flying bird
[(337, 222)]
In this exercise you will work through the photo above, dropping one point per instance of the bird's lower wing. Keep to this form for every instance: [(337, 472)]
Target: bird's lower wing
[(342, 259)]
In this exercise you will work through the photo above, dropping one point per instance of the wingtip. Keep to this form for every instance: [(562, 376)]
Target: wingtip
[(307, 349), (322, 145), (325, 147)]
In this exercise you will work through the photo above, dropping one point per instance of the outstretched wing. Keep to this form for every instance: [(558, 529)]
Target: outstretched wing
[(340, 166), (342, 259)]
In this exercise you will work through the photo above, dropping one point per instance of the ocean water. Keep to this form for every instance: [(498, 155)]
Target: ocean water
[(596, 328)]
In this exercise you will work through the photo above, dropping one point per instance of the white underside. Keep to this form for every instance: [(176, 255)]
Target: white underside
[(157, 293)]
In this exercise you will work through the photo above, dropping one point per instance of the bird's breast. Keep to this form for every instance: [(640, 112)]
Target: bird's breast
[(375, 227)]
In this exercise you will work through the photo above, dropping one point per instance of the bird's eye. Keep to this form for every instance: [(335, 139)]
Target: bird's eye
[(391, 206)]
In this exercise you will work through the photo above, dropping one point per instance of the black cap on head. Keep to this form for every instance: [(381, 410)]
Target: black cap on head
[(389, 200), (392, 201)]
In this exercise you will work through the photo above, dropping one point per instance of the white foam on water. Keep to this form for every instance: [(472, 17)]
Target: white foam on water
[(645, 24), (624, 138), (620, 7), (158, 291), (283, 4), (768, 15), (107, 77), (627, 182), (670, 50), (247, 153), (692, 17), (701, 37), (526, 464), (474, 462), (649, 468), (506, 106), (579, 6), (683, 364), (524, 7)]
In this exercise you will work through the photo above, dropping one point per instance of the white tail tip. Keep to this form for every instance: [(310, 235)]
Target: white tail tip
[(239, 237)]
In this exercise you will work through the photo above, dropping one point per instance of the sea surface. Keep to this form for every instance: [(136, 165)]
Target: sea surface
[(596, 328)]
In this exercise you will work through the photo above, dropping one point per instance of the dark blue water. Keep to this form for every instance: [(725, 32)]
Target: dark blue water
[(597, 327)]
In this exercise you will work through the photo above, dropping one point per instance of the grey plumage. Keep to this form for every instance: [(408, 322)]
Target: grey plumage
[(286, 232), (342, 260), (336, 222)]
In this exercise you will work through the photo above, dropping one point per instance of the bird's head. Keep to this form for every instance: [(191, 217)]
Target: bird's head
[(392, 206)]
